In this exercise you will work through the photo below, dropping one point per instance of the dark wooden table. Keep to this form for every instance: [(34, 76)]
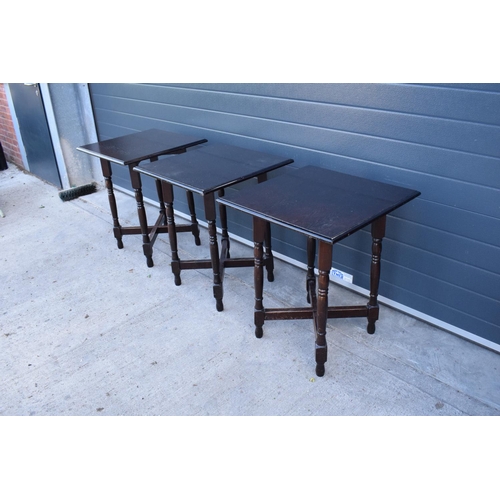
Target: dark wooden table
[(129, 150), (326, 206), (206, 171)]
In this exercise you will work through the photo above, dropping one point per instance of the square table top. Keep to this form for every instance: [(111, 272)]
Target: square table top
[(133, 148), (321, 203), (212, 167)]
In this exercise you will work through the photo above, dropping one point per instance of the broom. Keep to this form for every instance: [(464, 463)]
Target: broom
[(76, 192)]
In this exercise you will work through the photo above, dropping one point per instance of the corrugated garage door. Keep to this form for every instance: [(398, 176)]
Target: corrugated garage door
[(441, 255)]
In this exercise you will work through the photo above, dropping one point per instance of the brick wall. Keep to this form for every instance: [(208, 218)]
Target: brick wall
[(8, 136)]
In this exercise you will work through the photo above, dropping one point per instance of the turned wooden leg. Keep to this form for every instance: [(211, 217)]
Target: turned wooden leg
[(311, 256), (159, 190), (195, 230), (259, 231), (210, 215), (268, 254), (378, 232), (135, 177), (159, 194), (168, 195), (324, 265), (107, 174), (223, 222)]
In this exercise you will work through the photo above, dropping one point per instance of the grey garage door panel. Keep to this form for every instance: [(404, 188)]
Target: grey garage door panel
[(442, 251)]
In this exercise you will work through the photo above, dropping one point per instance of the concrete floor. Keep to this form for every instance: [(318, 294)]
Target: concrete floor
[(87, 329)]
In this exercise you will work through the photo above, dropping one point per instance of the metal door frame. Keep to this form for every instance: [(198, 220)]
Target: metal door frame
[(54, 134)]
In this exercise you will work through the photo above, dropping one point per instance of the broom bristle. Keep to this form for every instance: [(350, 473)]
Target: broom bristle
[(76, 192)]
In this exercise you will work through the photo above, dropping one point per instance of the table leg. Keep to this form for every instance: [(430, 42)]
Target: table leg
[(223, 222), (107, 174), (160, 194), (210, 215), (195, 230), (324, 265), (259, 234), (135, 178), (168, 196), (268, 254), (311, 256), (159, 191), (378, 233)]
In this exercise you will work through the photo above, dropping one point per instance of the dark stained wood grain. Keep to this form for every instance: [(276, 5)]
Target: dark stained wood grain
[(138, 146), (212, 167), (321, 203)]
